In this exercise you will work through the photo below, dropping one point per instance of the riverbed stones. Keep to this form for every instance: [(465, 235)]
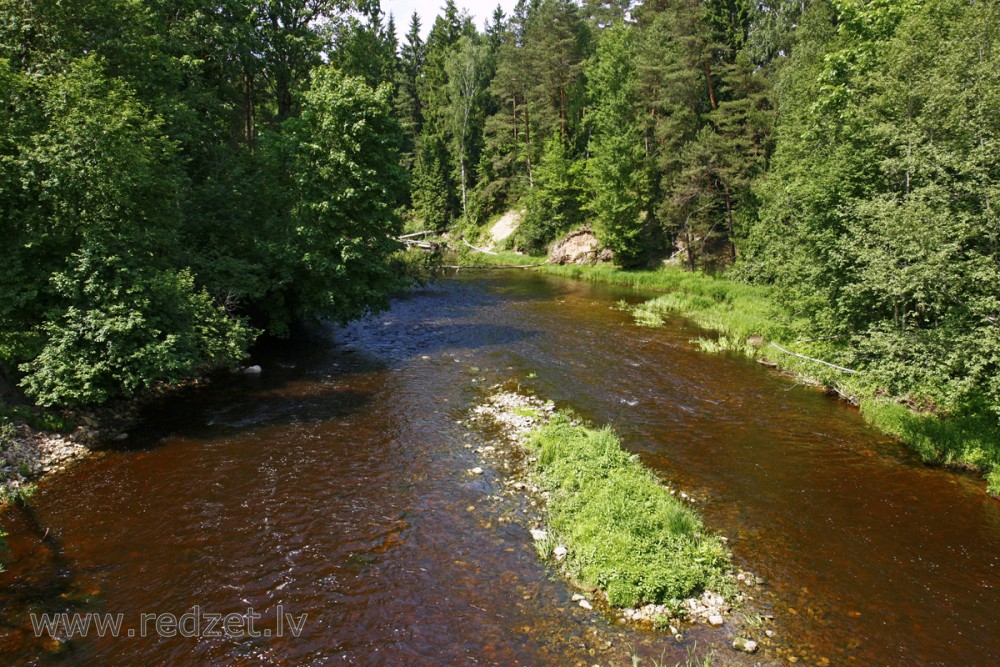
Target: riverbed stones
[(30, 454), (586, 605), (716, 619), (477, 471)]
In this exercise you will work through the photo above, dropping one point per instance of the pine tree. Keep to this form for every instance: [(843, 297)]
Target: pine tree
[(616, 171), (408, 108)]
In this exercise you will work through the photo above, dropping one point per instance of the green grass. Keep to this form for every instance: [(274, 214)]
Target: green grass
[(625, 533), (748, 318), (960, 441), (469, 257)]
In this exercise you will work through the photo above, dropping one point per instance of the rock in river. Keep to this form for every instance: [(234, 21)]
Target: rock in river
[(745, 645)]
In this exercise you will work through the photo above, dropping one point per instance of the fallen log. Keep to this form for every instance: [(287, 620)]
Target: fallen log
[(818, 361), (416, 234), (482, 250)]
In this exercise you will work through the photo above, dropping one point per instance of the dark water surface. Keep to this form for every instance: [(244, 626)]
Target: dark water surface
[(335, 485)]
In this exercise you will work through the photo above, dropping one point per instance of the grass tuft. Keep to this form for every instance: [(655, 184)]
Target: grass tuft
[(625, 533)]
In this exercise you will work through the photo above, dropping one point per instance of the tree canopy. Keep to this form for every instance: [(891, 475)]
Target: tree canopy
[(178, 177)]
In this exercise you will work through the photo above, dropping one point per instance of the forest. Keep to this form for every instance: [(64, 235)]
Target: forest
[(178, 177), (844, 154), (247, 361)]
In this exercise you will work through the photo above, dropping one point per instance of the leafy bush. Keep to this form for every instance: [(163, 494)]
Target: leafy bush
[(126, 328)]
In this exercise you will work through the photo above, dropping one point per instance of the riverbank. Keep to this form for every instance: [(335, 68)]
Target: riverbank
[(632, 545), (34, 443), (750, 321)]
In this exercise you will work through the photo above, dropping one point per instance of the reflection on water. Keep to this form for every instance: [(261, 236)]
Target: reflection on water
[(334, 485)]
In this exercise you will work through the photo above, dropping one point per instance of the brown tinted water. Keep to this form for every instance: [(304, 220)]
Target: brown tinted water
[(335, 485)]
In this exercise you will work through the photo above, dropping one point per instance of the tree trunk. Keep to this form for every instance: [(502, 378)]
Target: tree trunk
[(513, 102), (527, 142), (729, 214), (465, 206), (711, 90), (248, 111), (690, 247), (562, 110)]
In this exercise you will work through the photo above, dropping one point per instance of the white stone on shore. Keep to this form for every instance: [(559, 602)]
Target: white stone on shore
[(716, 619), (538, 534), (585, 604)]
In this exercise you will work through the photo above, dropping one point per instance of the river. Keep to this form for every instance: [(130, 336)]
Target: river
[(335, 485)]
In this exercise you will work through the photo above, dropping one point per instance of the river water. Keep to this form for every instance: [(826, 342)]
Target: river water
[(335, 485)]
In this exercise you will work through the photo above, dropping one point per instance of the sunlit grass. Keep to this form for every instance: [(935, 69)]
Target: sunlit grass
[(625, 533), (468, 257)]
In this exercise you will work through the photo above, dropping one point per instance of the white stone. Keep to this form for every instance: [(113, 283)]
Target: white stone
[(585, 604), (252, 370), (716, 619), (477, 471), (745, 645), (538, 534)]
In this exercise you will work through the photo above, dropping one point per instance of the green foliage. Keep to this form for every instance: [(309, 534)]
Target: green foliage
[(170, 172), (7, 433), (553, 204), (616, 175), (127, 328), (430, 184), (625, 532), (877, 217), (365, 46), (468, 68), (345, 191)]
